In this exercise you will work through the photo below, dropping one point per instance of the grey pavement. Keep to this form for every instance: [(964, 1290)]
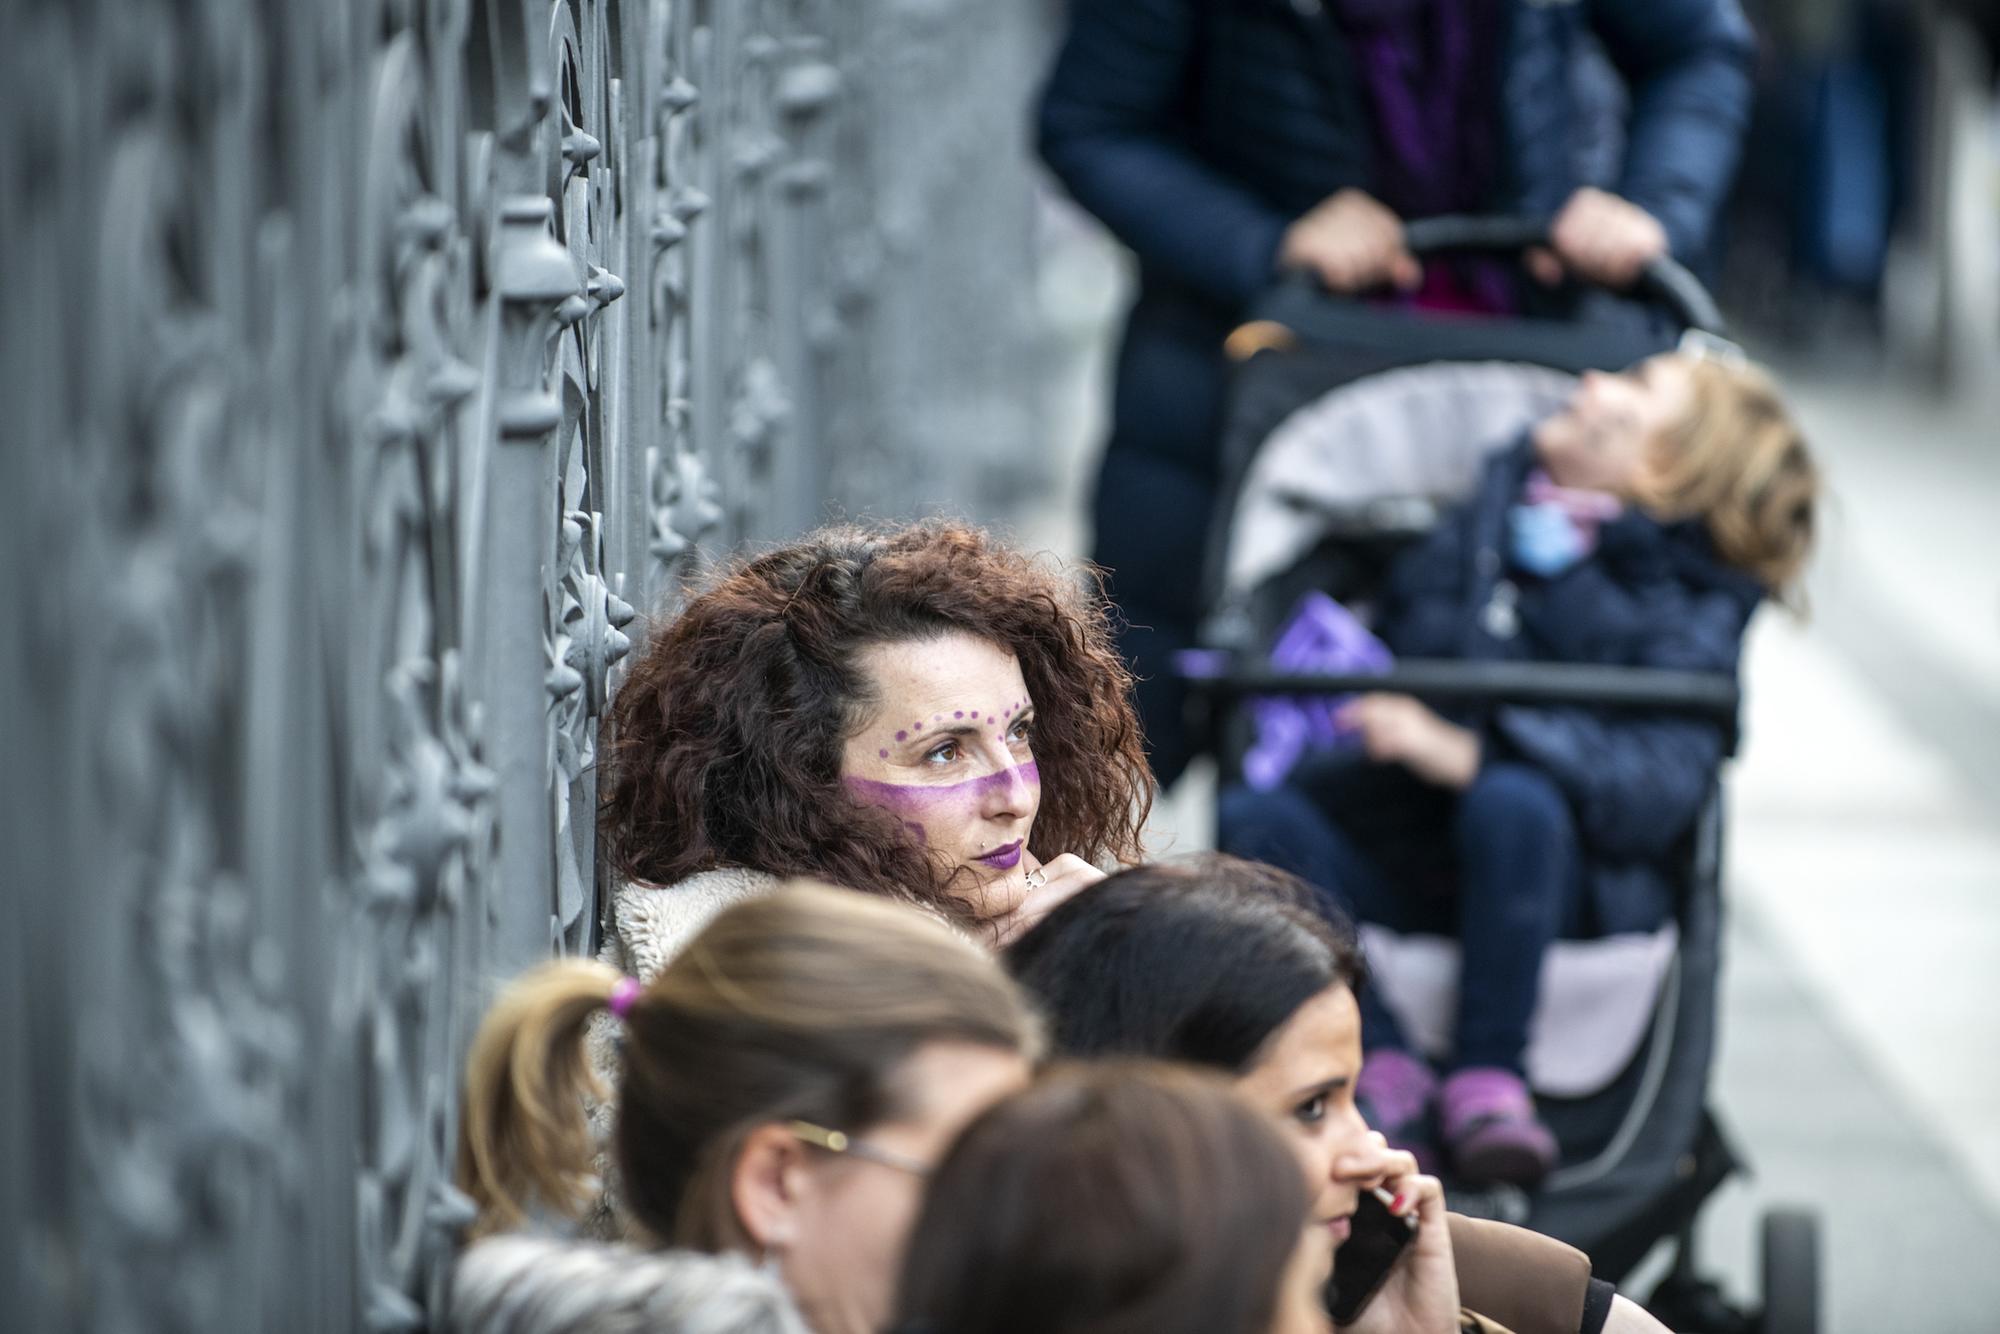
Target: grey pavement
[(1859, 1068)]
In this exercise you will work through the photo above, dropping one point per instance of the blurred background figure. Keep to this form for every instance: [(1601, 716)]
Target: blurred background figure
[(1225, 143), (1863, 216)]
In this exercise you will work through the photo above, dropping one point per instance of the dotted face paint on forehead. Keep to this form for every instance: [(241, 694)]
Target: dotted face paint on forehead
[(1001, 717)]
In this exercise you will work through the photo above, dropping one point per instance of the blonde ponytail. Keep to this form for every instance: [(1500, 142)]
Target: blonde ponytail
[(802, 1004), (524, 1138)]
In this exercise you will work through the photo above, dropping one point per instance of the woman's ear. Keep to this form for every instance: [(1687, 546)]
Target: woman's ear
[(766, 1186)]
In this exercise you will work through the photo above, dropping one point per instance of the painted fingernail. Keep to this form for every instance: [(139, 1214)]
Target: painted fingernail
[(1396, 1205)]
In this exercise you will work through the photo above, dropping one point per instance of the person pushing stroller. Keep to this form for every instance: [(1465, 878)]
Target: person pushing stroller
[(1225, 142), (1640, 525)]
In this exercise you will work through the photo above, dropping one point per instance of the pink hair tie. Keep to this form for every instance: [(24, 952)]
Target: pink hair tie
[(623, 995)]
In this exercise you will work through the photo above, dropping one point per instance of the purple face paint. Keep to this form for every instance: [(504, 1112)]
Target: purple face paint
[(959, 714), (946, 805), (902, 736)]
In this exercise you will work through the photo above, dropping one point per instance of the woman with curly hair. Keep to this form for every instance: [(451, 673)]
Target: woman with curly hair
[(919, 712)]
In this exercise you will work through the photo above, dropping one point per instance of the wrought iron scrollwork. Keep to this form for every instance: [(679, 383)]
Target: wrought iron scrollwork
[(375, 368)]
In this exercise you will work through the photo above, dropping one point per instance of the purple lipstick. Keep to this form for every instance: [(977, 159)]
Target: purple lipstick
[(1004, 858)]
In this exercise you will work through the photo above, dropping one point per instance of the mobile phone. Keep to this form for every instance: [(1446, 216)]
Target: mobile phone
[(1375, 1242)]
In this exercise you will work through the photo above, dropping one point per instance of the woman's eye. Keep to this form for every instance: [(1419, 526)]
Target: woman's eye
[(1022, 731), (943, 754), (1312, 1111)]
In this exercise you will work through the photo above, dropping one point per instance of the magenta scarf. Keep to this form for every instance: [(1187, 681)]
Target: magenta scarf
[(1430, 77)]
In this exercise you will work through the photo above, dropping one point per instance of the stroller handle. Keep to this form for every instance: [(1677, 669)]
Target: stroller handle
[(1710, 696), (1466, 231), (1664, 280)]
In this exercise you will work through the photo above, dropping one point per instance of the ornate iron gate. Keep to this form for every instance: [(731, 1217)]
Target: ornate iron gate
[(368, 363)]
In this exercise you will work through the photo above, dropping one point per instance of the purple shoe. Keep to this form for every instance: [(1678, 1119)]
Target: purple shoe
[(1491, 1130), (1395, 1093)]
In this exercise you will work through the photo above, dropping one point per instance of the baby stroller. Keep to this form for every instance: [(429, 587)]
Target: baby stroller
[(1351, 426)]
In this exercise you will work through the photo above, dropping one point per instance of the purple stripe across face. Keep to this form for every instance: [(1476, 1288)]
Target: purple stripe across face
[(924, 798)]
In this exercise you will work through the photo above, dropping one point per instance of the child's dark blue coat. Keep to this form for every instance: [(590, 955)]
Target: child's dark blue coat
[(1651, 595)]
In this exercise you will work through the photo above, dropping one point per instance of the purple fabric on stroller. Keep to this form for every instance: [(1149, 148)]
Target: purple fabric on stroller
[(1322, 636)]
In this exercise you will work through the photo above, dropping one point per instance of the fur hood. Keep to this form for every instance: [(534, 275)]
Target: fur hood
[(650, 924), (521, 1284)]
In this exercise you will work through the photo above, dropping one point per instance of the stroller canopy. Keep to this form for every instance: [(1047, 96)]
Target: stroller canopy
[(1414, 435)]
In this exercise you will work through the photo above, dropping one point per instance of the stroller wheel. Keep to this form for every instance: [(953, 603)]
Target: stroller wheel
[(1791, 1272)]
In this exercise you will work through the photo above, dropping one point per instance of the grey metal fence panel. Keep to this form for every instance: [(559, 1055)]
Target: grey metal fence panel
[(371, 367)]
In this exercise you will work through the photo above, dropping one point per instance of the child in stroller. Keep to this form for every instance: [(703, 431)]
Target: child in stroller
[(1640, 525)]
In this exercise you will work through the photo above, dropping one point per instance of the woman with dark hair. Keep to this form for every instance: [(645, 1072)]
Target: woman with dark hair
[(1113, 1198), (1224, 963), (918, 712)]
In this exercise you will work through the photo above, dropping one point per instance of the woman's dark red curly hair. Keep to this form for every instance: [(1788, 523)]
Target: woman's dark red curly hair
[(724, 743)]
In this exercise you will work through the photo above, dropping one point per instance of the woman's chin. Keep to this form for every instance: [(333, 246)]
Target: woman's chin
[(994, 894)]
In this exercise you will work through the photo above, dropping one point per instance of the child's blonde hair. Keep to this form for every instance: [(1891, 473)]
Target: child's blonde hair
[(1738, 461)]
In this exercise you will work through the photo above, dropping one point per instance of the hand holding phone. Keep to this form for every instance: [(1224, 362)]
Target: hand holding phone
[(1361, 1266)]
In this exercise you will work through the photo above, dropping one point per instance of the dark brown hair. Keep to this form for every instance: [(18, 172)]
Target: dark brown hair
[(1201, 960), (1112, 1198), (803, 1004), (724, 743)]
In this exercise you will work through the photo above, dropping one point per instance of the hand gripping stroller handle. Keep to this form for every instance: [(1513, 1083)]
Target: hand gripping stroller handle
[(1714, 696), (1665, 280)]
